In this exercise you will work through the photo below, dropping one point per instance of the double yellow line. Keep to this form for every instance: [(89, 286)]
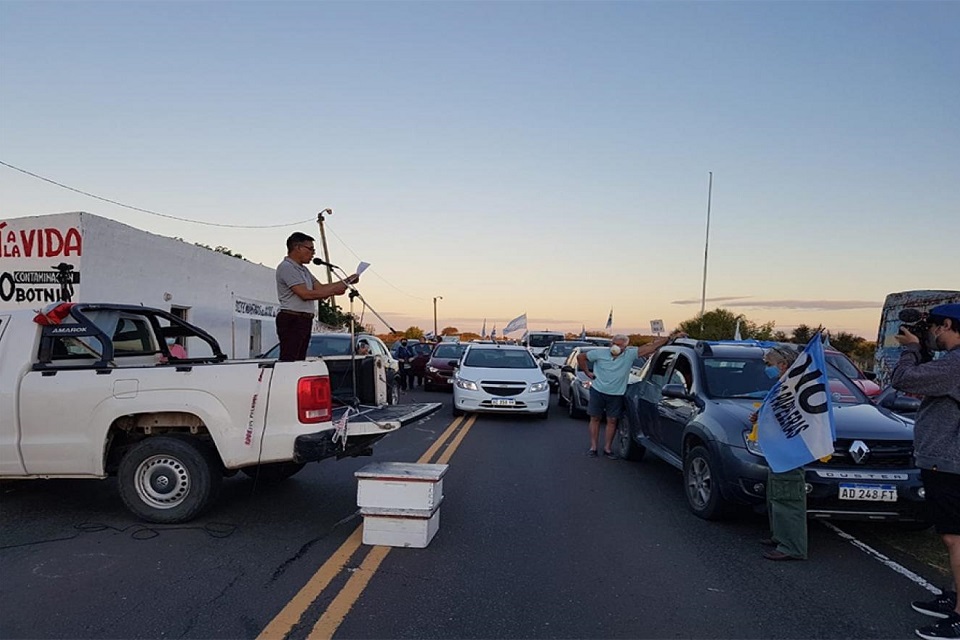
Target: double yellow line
[(333, 616)]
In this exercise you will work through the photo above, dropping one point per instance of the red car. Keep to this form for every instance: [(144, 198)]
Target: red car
[(439, 371), (846, 366)]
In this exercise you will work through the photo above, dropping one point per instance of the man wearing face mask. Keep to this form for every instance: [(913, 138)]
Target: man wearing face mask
[(611, 370), (937, 446)]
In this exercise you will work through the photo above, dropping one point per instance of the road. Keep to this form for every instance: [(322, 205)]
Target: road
[(536, 541)]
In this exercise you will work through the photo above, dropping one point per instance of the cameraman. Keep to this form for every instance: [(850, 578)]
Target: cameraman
[(937, 445)]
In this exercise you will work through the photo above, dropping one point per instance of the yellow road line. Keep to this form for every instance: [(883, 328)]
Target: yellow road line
[(281, 625), (440, 441), (290, 615), (330, 621), (456, 441)]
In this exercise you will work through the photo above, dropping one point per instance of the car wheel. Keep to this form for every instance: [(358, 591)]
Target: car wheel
[(702, 485), (561, 401), (168, 480), (627, 447), (573, 409), (273, 472)]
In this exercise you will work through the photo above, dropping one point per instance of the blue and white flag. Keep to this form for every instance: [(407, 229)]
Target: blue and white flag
[(520, 322), (736, 332), (583, 332), (610, 319), (795, 423), (483, 332), (493, 334)]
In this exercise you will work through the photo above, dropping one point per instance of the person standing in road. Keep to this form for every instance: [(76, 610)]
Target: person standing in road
[(298, 291), (936, 446), (787, 490), (404, 356), (611, 370)]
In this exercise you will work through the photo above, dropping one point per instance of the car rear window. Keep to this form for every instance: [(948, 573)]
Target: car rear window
[(448, 351)]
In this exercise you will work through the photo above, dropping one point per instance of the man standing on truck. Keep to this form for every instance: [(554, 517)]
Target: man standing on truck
[(937, 445), (298, 291)]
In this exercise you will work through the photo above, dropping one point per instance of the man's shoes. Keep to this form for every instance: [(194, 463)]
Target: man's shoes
[(610, 455), (768, 542), (940, 607), (949, 627), (779, 555), (592, 453)]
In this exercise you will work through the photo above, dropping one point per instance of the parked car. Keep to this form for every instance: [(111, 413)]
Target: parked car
[(440, 366), (598, 341), (692, 406), (500, 379), (418, 366), (846, 366), (540, 341), (554, 358), (573, 389)]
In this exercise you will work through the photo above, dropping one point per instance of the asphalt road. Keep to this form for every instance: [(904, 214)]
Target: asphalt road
[(536, 541)]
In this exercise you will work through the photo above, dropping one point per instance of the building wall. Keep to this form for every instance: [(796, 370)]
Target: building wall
[(119, 263)]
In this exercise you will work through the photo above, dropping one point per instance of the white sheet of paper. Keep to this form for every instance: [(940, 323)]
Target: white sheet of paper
[(362, 267)]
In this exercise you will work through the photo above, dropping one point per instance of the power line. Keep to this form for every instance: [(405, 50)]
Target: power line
[(347, 247), (154, 213)]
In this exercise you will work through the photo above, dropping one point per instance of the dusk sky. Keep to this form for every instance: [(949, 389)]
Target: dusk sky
[(542, 157)]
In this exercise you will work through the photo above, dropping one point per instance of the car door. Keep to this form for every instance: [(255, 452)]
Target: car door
[(568, 375), (675, 413), (649, 396)]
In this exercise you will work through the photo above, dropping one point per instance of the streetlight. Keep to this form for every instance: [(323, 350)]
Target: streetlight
[(436, 335)]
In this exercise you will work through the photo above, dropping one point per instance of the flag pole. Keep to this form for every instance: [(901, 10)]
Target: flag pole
[(706, 248)]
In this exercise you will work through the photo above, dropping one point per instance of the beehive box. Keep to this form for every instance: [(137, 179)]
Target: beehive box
[(400, 486), (400, 527)]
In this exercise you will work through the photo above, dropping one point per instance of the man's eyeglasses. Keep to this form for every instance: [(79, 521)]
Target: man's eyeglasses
[(309, 248)]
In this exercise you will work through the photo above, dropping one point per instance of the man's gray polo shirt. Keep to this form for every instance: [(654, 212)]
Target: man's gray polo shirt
[(289, 274)]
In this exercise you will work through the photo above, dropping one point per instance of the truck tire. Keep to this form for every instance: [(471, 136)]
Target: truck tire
[(273, 472), (393, 388), (702, 485), (627, 447), (167, 480)]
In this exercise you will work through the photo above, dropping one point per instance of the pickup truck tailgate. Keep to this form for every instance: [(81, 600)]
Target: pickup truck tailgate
[(380, 420)]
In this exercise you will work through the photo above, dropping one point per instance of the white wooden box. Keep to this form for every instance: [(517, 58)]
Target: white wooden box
[(400, 485), (386, 527)]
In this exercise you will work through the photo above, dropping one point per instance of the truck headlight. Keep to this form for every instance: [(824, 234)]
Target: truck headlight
[(539, 386)]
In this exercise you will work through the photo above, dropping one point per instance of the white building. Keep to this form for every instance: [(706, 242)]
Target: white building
[(232, 299)]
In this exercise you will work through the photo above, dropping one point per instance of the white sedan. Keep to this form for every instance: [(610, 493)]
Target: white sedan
[(496, 378)]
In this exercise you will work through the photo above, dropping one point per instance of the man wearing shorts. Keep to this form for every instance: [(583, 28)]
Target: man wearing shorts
[(936, 445), (611, 370)]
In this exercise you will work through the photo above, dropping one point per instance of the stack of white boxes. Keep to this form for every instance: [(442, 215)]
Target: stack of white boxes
[(400, 502)]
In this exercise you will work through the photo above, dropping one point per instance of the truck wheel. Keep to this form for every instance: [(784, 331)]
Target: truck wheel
[(702, 485), (168, 480), (273, 472), (560, 401)]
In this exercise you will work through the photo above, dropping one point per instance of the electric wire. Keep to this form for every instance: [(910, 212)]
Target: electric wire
[(154, 213)]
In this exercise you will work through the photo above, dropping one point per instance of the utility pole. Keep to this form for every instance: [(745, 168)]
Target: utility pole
[(436, 334), (706, 247), (323, 243)]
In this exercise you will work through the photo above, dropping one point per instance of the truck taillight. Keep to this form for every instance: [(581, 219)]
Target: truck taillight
[(314, 400)]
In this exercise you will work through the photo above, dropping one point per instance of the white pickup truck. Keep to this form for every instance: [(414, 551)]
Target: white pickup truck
[(95, 390)]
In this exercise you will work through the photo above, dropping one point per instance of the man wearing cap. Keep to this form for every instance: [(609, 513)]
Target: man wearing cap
[(937, 446)]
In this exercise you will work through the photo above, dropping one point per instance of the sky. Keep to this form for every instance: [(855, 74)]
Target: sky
[(547, 158)]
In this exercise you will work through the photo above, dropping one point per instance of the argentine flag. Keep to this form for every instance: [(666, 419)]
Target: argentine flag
[(795, 423), (483, 332), (520, 322), (609, 320)]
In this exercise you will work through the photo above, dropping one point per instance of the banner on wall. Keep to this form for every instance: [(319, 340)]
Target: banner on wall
[(39, 261)]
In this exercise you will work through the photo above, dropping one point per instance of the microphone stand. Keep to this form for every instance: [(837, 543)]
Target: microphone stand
[(354, 293)]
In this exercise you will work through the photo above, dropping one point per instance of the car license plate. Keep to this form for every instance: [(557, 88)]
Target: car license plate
[(503, 402), (869, 492)]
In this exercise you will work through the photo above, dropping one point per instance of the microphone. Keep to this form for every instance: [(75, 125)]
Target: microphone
[(323, 263)]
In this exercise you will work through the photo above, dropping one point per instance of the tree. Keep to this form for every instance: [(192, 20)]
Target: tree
[(330, 314), (219, 249), (802, 333), (845, 342), (721, 324)]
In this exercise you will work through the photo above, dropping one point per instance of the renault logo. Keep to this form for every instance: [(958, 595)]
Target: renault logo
[(859, 451)]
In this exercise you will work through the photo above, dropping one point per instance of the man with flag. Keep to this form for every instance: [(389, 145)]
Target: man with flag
[(794, 427)]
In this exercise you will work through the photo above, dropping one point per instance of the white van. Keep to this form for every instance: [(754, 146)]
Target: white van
[(539, 341)]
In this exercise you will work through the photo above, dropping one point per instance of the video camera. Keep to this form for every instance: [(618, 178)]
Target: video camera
[(918, 323)]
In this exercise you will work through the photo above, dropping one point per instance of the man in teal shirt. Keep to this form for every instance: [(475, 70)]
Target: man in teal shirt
[(611, 370)]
